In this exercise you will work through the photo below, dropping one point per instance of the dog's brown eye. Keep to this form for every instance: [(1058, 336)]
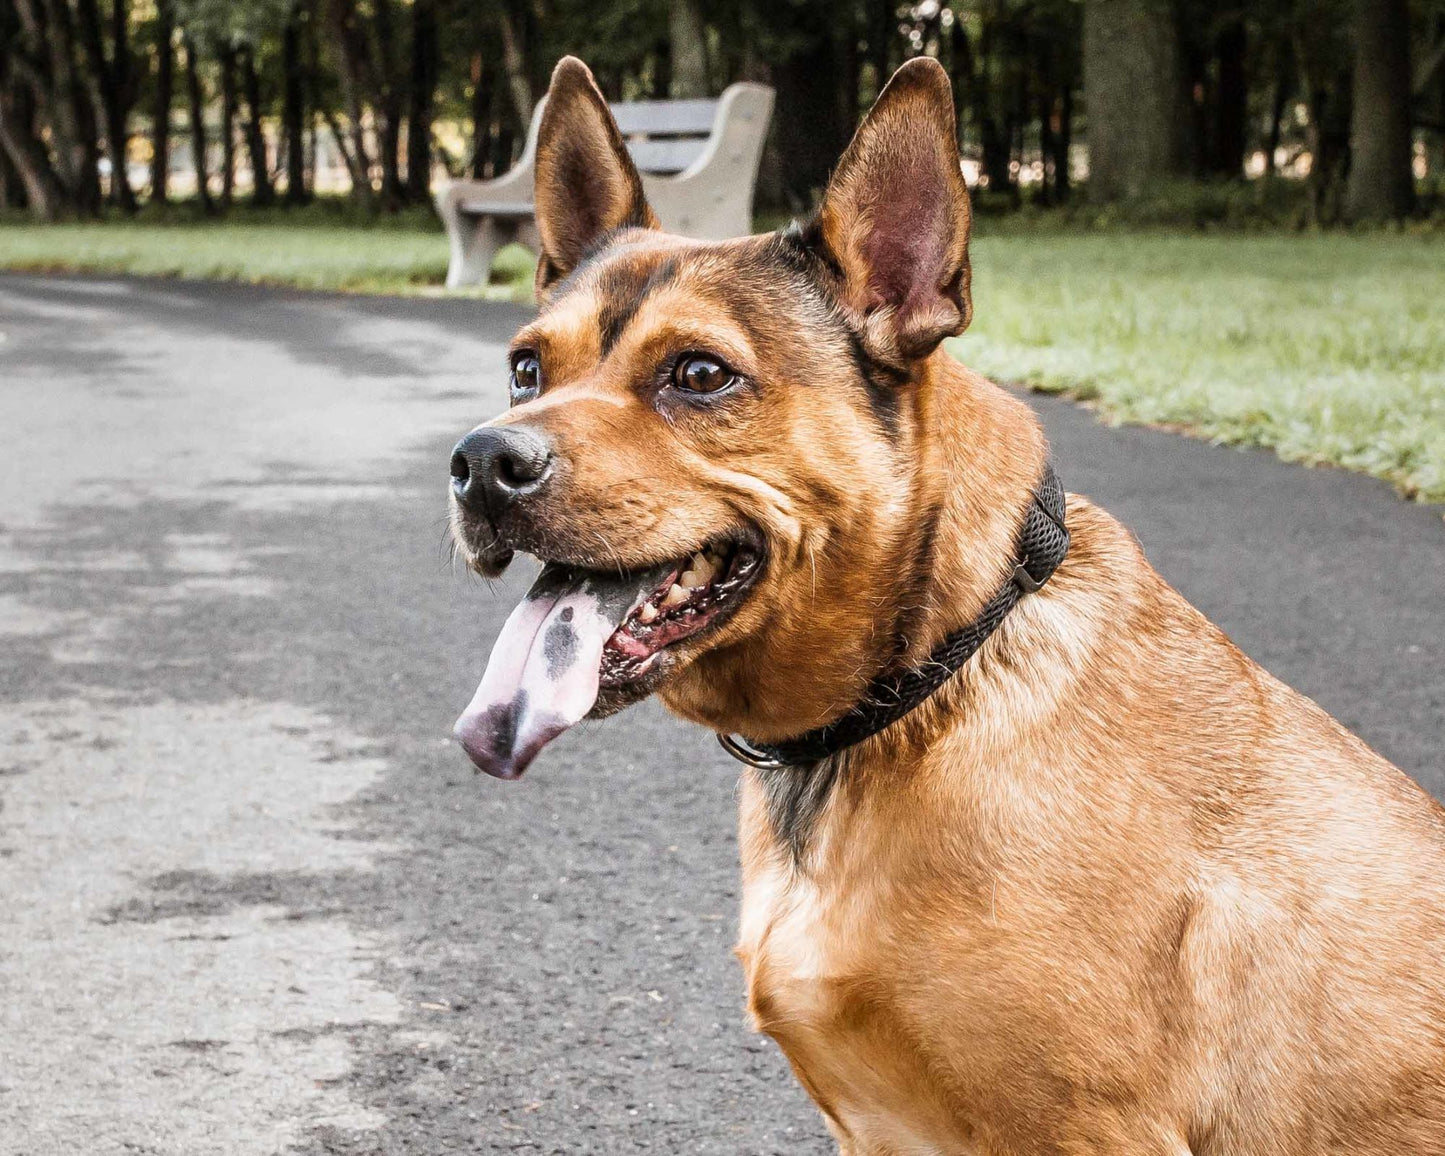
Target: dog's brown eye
[(701, 375), (526, 375)]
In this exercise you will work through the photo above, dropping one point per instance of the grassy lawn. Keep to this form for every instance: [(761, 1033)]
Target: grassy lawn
[(313, 254), (1325, 348)]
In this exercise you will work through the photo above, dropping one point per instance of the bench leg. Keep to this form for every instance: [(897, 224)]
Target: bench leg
[(475, 241)]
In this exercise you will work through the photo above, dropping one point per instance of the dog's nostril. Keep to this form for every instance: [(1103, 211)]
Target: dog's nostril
[(461, 470), (514, 473)]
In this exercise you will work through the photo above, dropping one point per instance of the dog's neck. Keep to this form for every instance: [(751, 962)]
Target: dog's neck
[(981, 454)]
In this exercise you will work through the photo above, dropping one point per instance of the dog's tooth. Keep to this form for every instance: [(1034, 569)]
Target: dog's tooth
[(704, 569), (675, 597), (690, 580), (647, 614)]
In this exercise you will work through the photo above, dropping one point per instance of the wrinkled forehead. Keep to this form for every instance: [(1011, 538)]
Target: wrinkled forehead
[(744, 298)]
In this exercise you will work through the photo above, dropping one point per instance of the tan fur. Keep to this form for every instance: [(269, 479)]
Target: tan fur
[(1113, 889)]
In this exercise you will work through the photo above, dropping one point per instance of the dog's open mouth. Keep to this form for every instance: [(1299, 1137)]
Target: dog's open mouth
[(697, 593), (580, 631)]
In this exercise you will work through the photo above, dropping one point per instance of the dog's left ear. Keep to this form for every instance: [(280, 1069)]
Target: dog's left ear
[(587, 184), (896, 218)]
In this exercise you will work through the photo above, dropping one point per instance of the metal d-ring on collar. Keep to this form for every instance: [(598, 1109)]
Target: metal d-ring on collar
[(1042, 543)]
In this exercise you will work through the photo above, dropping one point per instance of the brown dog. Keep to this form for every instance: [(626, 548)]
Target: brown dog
[(1111, 888)]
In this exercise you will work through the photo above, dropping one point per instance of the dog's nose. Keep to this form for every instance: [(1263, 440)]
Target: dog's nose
[(494, 465)]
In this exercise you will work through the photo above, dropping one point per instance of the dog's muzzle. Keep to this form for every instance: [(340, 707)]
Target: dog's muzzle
[(495, 470)]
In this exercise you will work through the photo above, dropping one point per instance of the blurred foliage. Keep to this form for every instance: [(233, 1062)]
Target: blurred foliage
[(1263, 78)]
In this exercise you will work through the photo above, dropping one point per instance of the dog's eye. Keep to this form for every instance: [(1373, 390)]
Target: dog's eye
[(526, 375), (700, 374)]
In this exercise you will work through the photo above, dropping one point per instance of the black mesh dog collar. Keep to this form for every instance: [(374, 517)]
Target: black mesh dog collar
[(1042, 543)]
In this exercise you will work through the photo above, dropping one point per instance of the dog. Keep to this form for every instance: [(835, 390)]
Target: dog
[(1034, 859)]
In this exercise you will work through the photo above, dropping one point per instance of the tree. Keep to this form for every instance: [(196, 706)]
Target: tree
[(425, 70), (1134, 97), (1380, 183), (687, 43), (293, 107), (262, 192), (196, 104), (161, 107), (806, 49), (226, 55), (1227, 125), (22, 129)]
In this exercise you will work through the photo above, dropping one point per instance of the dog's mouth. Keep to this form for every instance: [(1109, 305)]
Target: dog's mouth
[(698, 593), (581, 633)]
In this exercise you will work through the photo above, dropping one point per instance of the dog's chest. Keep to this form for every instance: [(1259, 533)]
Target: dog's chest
[(820, 993)]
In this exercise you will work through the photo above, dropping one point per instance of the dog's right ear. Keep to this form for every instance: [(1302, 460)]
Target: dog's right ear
[(587, 185), (896, 218)]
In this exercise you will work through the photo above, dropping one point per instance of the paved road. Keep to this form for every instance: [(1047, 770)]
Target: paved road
[(254, 899)]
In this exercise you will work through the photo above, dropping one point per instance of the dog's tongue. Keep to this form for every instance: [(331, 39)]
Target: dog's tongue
[(543, 674)]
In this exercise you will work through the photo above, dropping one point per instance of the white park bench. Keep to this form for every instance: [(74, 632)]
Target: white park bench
[(698, 160)]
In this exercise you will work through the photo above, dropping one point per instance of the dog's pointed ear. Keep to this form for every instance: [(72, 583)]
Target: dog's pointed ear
[(587, 184), (896, 218)]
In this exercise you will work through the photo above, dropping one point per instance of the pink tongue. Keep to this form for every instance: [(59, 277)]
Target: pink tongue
[(543, 674)]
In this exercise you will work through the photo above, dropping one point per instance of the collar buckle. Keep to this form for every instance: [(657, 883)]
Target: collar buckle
[(1026, 581), (745, 752)]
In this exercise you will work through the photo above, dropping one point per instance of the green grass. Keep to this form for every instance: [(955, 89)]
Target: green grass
[(323, 257), (386, 258), (1327, 348)]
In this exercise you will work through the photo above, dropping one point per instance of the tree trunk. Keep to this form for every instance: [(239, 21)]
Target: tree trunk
[(515, 63), (21, 143), (661, 62), (354, 170), (388, 103), (227, 56), (293, 109), (12, 188), (118, 108), (1381, 185), (810, 133), (1135, 97), (112, 85), (1231, 103), (1048, 147), (1063, 180), (161, 108), (262, 191), (425, 67), (71, 116), (195, 100), (350, 49), (981, 96), (483, 87), (687, 42)]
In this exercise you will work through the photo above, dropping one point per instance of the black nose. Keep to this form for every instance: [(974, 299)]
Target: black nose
[(495, 465)]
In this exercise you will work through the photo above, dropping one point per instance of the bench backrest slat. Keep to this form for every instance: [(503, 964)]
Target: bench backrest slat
[(665, 117), (665, 156)]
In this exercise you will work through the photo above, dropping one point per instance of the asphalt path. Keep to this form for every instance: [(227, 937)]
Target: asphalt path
[(254, 899)]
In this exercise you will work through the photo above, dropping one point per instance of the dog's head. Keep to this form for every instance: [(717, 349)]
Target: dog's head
[(713, 446)]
